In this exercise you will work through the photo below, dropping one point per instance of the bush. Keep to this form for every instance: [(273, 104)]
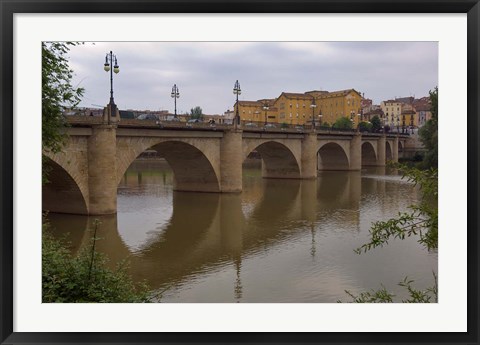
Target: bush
[(343, 123), (365, 126), (84, 278), (325, 125)]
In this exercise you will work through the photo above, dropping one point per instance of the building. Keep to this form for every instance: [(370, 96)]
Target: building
[(303, 108), (423, 113), (393, 111), (333, 105), (368, 115), (294, 108)]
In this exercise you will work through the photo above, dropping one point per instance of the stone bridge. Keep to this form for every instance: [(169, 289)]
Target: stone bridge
[(85, 175)]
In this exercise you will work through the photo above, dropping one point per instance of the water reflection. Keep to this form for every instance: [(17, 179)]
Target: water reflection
[(278, 241)]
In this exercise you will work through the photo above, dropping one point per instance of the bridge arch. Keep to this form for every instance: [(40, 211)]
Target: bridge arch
[(278, 159), (194, 163), (64, 192), (369, 156), (332, 156)]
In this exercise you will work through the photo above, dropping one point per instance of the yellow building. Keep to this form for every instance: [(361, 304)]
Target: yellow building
[(303, 108), (333, 105), (256, 111), (393, 111)]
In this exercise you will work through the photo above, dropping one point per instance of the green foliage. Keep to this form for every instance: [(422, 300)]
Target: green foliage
[(365, 126), (284, 125), (196, 113), (57, 94), (382, 295), (429, 133), (84, 278), (325, 125), (376, 123), (343, 123), (421, 221)]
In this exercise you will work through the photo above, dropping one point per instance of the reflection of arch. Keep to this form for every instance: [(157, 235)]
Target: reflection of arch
[(388, 151), (368, 154), (332, 157), (278, 160), (193, 170), (62, 193)]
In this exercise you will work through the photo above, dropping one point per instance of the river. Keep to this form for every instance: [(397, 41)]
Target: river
[(277, 241)]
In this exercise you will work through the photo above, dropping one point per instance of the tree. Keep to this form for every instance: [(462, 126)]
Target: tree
[(376, 124), (365, 126), (343, 123), (196, 113), (429, 133), (57, 94)]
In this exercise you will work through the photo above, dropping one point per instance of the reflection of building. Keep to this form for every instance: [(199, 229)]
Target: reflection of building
[(303, 108)]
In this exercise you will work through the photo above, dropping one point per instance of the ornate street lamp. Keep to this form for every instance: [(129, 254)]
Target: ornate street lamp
[(320, 120), (175, 94), (403, 123), (265, 107), (111, 59), (411, 122), (237, 91), (313, 106)]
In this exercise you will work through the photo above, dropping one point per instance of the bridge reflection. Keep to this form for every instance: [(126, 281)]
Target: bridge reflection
[(205, 231)]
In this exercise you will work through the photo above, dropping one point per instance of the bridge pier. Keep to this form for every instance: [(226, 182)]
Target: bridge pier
[(102, 170), (308, 167), (395, 149), (231, 162), (381, 148), (356, 152)]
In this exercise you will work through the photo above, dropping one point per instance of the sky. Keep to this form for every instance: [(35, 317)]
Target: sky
[(205, 72)]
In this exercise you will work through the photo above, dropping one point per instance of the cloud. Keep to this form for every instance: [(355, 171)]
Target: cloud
[(205, 72)]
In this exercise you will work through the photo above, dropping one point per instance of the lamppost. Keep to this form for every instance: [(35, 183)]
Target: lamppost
[(175, 94), (265, 107), (320, 120), (398, 124), (111, 59), (237, 91), (358, 122), (313, 106), (411, 122), (403, 123)]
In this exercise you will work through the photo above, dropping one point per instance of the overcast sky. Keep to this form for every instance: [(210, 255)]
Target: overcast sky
[(205, 72)]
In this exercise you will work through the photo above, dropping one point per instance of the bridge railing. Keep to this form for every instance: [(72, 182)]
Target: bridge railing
[(257, 126)]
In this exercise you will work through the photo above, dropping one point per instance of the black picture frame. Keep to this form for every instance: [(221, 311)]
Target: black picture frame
[(9, 7)]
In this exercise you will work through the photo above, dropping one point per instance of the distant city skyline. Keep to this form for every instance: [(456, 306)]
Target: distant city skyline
[(205, 72)]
